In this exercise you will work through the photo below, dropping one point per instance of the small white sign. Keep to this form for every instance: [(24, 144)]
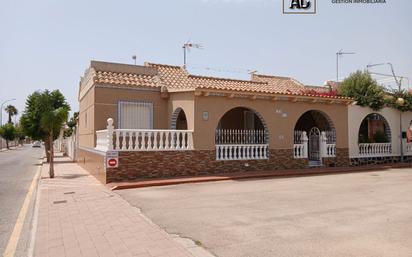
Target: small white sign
[(112, 159), (205, 116)]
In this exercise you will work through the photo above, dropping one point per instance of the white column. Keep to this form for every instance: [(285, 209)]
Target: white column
[(110, 129), (305, 144), (323, 147)]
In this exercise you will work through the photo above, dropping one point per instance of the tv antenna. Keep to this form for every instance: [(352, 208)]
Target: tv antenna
[(134, 57), (186, 47), (338, 54)]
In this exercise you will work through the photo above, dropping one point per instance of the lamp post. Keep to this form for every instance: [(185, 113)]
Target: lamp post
[(340, 53), (1, 116), (400, 101)]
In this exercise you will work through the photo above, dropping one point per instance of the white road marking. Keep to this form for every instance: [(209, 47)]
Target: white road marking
[(18, 226)]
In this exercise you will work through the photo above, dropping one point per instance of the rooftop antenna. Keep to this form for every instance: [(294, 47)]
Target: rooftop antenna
[(338, 54), (186, 47), (134, 57)]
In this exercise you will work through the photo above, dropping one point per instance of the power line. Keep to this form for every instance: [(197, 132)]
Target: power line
[(233, 70)]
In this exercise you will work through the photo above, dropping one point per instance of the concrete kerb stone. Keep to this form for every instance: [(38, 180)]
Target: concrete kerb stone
[(33, 227)]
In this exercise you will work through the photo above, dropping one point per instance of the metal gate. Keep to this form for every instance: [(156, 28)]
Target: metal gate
[(314, 144)]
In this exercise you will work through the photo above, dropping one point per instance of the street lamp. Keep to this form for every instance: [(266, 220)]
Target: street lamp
[(400, 100), (1, 110), (340, 53)]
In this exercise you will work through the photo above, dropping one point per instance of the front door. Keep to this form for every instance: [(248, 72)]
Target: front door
[(314, 144)]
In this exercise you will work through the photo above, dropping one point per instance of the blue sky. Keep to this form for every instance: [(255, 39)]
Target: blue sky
[(48, 44)]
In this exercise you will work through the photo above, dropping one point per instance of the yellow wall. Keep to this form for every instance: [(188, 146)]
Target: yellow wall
[(280, 118)]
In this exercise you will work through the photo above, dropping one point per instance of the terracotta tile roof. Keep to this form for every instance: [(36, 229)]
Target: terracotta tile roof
[(319, 89), (229, 84), (172, 76), (280, 84), (175, 78), (125, 79)]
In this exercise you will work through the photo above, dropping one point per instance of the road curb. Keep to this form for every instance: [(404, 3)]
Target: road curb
[(257, 175), (30, 251)]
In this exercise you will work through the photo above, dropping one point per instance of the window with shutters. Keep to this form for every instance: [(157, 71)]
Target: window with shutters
[(135, 115)]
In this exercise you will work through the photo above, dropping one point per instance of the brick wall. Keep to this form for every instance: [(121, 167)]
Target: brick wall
[(166, 164), (341, 159), (379, 160)]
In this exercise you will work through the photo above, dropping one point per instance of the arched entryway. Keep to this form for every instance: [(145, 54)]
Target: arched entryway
[(241, 134), (315, 134), (374, 136), (179, 120), (374, 129)]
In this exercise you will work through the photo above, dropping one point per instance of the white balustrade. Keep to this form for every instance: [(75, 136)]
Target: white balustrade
[(300, 148), (330, 150), (375, 149), (327, 149), (102, 141), (299, 151), (152, 140), (242, 152), (143, 139)]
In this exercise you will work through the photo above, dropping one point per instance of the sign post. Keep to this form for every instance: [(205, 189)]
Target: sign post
[(112, 159)]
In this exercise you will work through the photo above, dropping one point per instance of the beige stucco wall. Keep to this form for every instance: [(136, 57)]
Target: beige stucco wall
[(100, 103), (357, 113), (86, 129), (106, 101), (280, 117), (185, 101)]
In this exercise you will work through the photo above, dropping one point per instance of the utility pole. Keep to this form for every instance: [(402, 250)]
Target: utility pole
[(400, 100)]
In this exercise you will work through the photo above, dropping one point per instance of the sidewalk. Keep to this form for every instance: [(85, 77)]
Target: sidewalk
[(78, 216)]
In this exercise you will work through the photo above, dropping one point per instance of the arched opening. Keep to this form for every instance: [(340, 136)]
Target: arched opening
[(374, 129), (241, 125), (241, 134), (179, 120), (310, 129)]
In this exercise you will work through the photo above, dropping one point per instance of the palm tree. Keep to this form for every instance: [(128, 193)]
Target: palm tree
[(11, 111), (51, 122)]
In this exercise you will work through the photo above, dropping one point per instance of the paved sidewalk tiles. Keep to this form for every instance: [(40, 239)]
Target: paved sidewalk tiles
[(78, 216)]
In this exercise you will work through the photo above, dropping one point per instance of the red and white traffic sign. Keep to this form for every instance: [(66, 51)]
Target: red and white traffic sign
[(112, 159), (112, 162)]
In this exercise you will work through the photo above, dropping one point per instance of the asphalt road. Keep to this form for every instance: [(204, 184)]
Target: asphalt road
[(17, 169), (359, 214)]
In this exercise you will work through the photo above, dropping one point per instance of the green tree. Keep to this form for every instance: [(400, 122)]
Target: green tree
[(11, 111), (52, 121), (364, 89), (71, 125), (8, 132), (400, 100), (37, 104), (20, 134)]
